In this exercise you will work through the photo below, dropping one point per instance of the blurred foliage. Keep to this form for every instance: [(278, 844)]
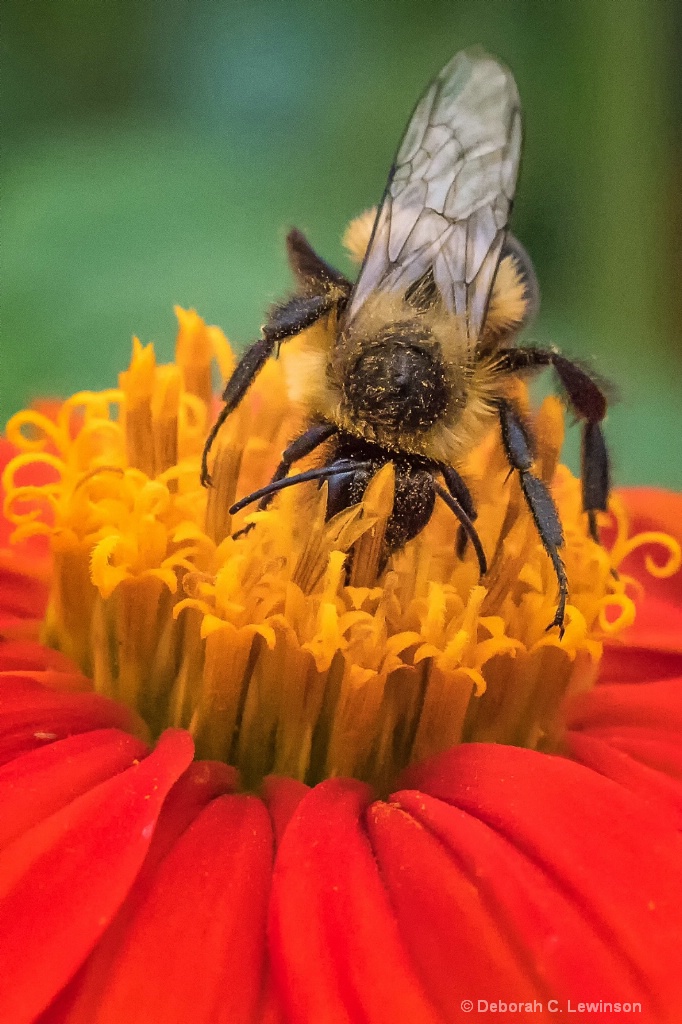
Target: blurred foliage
[(156, 151)]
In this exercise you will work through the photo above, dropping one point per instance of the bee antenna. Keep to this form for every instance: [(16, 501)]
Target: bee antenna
[(320, 473)]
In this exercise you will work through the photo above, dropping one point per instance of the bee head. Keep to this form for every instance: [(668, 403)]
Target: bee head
[(398, 380)]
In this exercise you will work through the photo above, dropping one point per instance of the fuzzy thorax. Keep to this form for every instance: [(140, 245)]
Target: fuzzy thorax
[(322, 362)]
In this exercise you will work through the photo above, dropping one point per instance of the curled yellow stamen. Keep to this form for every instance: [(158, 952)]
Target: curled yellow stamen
[(296, 645)]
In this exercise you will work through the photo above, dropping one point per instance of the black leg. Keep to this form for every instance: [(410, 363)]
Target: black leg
[(461, 493), (466, 524), (589, 403), (517, 446), (458, 489), (247, 369), (284, 321), (594, 475), (298, 449), (310, 268), (320, 473)]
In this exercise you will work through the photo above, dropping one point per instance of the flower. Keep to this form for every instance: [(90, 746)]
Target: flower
[(407, 794)]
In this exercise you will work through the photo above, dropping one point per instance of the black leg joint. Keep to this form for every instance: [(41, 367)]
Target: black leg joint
[(466, 524), (289, 318), (284, 321), (515, 438), (298, 449), (517, 445), (458, 489)]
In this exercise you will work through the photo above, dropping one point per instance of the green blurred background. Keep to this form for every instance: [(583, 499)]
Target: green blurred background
[(156, 151)]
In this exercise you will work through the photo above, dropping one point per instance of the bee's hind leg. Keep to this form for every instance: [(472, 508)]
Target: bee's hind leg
[(594, 475), (588, 401), (517, 445)]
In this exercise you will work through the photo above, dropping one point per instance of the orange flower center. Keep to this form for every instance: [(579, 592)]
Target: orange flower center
[(261, 646)]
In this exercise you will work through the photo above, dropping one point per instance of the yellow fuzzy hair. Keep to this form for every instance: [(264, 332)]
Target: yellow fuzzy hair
[(508, 301), (508, 304), (315, 366), (358, 233), (317, 362)]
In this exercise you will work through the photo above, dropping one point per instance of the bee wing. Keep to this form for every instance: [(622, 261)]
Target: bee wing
[(450, 191)]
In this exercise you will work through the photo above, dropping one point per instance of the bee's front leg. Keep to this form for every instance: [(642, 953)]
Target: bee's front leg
[(298, 449), (517, 446), (284, 321)]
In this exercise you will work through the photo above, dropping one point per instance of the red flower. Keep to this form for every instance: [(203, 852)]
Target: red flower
[(137, 885)]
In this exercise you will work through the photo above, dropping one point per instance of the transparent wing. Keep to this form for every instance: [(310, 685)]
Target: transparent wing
[(450, 192)]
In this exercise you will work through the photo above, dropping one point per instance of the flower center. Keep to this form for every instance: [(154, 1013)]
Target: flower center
[(264, 646)]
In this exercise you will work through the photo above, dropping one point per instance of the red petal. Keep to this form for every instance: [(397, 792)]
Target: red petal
[(62, 881), (633, 735), (196, 787), (37, 784), (657, 706), (22, 602), (205, 909), (541, 943), (32, 715), (659, 615), (617, 863), (29, 656), (661, 792), (282, 796), (335, 948), (630, 664), (452, 928), (658, 624)]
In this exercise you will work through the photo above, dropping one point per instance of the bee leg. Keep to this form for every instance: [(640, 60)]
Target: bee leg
[(594, 475), (465, 524), (284, 322), (459, 490), (319, 473), (517, 445), (298, 449), (309, 268), (588, 401)]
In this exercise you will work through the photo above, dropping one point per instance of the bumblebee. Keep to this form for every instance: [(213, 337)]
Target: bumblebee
[(417, 365)]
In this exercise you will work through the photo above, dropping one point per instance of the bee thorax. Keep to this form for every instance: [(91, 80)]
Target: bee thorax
[(398, 381)]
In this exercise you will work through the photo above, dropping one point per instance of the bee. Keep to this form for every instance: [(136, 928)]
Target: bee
[(417, 364)]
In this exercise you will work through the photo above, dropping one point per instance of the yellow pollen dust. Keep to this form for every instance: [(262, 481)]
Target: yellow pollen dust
[(264, 646)]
